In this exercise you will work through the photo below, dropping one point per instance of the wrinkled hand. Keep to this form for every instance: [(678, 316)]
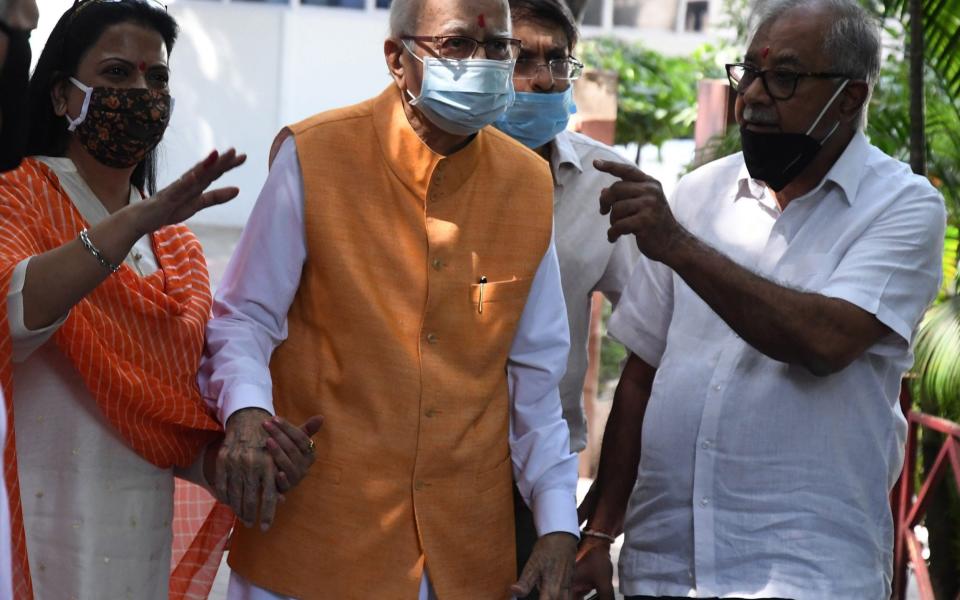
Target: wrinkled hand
[(636, 205), (186, 196), (550, 568), (594, 570), (291, 449), (246, 474)]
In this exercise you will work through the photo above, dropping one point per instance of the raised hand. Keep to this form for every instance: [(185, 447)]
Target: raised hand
[(636, 205), (187, 195)]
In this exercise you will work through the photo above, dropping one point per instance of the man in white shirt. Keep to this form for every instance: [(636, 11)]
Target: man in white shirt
[(543, 77), (770, 321), (17, 19)]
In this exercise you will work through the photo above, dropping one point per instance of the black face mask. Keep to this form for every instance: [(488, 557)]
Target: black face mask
[(778, 158), (14, 77)]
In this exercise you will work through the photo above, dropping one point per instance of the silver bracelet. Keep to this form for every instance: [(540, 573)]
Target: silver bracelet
[(599, 534), (85, 239)]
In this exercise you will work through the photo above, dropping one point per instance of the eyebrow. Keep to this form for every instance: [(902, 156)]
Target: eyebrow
[(456, 27), (130, 64)]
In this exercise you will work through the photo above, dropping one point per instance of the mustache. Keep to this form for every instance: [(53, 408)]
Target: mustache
[(760, 116)]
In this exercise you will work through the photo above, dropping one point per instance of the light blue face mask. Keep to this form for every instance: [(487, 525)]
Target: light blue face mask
[(535, 119), (464, 96)]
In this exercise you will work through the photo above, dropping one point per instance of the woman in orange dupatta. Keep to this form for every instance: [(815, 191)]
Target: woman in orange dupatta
[(102, 332)]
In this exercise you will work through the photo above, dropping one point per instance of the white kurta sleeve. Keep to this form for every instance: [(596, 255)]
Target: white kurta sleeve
[(544, 468), (25, 341), (251, 305)]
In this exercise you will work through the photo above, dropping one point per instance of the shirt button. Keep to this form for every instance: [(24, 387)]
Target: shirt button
[(704, 501), (717, 387), (706, 444), (431, 338), (437, 264)]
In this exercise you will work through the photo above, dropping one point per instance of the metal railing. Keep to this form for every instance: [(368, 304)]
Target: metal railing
[(908, 510)]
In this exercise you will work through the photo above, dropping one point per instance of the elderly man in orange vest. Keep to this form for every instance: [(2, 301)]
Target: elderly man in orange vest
[(398, 276)]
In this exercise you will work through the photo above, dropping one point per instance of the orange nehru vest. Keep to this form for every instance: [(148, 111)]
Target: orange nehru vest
[(389, 341)]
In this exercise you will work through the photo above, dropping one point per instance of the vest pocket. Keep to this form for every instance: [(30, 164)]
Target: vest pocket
[(499, 292), (489, 478)]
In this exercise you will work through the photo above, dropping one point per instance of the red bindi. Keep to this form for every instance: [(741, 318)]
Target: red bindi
[(142, 66), (481, 21), (765, 52)]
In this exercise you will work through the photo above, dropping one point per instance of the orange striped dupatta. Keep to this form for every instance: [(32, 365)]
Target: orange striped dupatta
[(136, 342)]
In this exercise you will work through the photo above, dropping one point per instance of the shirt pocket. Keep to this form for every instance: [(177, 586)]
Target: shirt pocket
[(808, 272)]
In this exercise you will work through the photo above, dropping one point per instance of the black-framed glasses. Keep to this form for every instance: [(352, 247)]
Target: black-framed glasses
[(563, 69), (780, 84), (461, 47)]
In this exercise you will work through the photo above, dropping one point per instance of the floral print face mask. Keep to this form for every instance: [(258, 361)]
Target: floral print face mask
[(119, 126)]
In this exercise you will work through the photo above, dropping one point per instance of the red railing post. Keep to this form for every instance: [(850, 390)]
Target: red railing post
[(907, 510)]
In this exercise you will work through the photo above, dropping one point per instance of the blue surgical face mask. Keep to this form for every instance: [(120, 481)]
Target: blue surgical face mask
[(464, 96), (535, 119)]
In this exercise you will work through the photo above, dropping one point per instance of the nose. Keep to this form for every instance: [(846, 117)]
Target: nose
[(756, 92), (543, 81)]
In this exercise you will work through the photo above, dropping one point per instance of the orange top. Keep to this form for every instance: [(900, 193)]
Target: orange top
[(136, 342), (388, 342)]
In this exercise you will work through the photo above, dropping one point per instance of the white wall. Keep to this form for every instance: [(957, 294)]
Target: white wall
[(243, 70)]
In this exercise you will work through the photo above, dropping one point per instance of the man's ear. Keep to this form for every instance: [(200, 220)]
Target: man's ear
[(853, 99), (392, 52)]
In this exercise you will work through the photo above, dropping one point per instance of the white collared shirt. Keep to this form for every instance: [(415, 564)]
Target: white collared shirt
[(757, 478), (251, 321), (588, 262)]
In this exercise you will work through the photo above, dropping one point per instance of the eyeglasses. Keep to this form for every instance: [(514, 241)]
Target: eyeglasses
[(780, 84), (78, 5), (461, 47), (564, 69)]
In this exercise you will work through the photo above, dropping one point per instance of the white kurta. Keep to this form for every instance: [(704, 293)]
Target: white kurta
[(97, 515)]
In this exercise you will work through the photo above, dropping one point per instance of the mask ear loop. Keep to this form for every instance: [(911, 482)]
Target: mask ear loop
[(87, 91), (824, 111)]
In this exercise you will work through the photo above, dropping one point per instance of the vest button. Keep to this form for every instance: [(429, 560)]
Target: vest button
[(437, 264), (430, 413), (419, 485), (431, 338)]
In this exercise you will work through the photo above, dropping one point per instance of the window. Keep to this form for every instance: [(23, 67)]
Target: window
[(626, 13), (383, 3), (696, 16), (593, 14)]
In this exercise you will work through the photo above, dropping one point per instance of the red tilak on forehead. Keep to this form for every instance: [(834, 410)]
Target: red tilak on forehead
[(481, 21), (142, 66), (765, 52)]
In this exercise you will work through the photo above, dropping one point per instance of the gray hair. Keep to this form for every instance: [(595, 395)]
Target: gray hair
[(852, 40), (403, 16)]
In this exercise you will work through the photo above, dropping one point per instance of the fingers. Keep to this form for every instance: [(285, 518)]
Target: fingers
[(528, 579), (622, 170), (312, 426), (250, 496), (296, 435), (281, 457), (201, 175), (622, 190), (218, 196), (268, 500)]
